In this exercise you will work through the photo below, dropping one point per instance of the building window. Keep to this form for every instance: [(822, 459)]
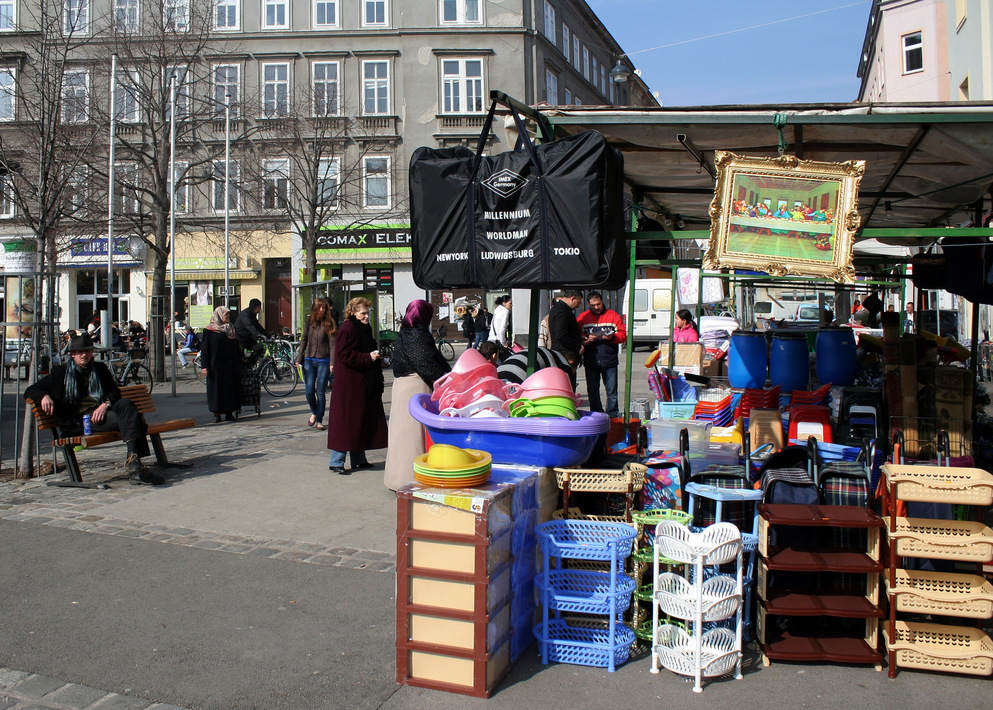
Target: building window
[(586, 63), (374, 13), (275, 90), (76, 96), (180, 76), (227, 15), (226, 87), (76, 17), (126, 16), (376, 181), (375, 87), (460, 12), (565, 40), (176, 15), (327, 182), (551, 87), (8, 15), (566, 97), (575, 52), (235, 175), (594, 71), (275, 184), (181, 198), (126, 96), (913, 53), (6, 197), (325, 13), (275, 14), (76, 191), (325, 86), (126, 188), (462, 85), (603, 79), (549, 21), (7, 93)]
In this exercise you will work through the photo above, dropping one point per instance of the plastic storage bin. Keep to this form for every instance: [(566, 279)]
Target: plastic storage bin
[(665, 434)]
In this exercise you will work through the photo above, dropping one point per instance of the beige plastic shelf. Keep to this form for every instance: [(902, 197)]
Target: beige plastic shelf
[(936, 647), (602, 480), (940, 484), (946, 594), (942, 539)]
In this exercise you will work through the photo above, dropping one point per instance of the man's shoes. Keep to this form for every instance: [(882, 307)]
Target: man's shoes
[(138, 474), (358, 466), (217, 419), (339, 470), (229, 417)]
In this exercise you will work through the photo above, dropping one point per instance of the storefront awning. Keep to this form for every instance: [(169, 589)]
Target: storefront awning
[(364, 257), (196, 275)]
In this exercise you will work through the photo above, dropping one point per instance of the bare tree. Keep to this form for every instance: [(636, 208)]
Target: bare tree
[(317, 167), (166, 59), (43, 149)]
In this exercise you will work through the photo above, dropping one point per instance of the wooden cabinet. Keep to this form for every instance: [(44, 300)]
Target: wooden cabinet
[(790, 582)]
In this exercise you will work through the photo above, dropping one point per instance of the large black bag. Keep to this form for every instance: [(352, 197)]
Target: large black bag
[(537, 217)]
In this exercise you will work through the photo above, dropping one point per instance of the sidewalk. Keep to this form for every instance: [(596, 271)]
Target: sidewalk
[(256, 579)]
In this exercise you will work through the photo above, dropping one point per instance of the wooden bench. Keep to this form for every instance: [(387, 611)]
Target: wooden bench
[(138, 394)]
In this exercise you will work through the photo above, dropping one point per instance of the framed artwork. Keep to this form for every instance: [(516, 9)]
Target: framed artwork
[(784, 216)]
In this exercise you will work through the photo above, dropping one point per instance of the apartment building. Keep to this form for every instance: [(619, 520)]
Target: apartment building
[(273, 98)]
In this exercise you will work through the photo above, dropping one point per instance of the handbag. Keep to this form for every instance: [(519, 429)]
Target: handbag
[(536, 217)]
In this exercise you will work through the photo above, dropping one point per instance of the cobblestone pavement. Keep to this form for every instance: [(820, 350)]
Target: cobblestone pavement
[(28, 691)]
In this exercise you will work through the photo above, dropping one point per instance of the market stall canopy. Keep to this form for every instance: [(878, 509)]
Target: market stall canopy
[(926, 163)]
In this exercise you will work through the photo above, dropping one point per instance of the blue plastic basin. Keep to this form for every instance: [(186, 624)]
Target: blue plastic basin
[(530, 441)]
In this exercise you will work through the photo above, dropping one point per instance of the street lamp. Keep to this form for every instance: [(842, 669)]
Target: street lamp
[(620, 73), (172, 217), (227, 199)]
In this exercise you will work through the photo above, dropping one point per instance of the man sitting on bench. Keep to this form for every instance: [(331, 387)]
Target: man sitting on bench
[(83, 386)]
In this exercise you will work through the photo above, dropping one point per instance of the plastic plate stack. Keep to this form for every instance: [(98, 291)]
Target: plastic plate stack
[(445, 466)]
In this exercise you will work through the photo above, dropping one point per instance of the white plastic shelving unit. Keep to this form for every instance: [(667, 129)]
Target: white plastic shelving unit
[(697, 600)]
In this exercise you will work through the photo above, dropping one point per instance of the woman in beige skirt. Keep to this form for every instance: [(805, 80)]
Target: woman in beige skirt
[(416, 365)]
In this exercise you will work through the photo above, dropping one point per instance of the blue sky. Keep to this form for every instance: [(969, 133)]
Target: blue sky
[(811, 59)]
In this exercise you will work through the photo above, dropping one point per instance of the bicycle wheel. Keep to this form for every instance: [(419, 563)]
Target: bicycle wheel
[(139, 375), (446, 350), (279, 378), (386, 354)]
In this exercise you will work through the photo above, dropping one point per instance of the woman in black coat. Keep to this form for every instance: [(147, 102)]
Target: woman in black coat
[(221, 360)]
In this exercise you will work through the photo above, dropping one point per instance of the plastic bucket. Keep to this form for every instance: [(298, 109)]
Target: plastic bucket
[(836, 356), (789, 361), (747, 360)]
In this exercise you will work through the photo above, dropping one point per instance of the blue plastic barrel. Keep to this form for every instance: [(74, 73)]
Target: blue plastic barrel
[(836, 356), (747, 360), (789, 361)]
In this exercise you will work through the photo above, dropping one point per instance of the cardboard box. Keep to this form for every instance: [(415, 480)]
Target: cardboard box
[(688, 358), (714, 368)]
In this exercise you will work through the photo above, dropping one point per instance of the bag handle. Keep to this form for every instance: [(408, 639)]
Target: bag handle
[(522, 138)]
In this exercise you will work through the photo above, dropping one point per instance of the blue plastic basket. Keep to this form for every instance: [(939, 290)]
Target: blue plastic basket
[(559, 642), (585, 539), (584, 591)]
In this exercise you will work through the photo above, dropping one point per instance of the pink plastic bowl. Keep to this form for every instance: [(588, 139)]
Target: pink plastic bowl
[(485, 386)]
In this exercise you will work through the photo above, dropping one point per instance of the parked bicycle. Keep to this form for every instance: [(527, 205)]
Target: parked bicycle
[(446, 349), (387, 339), (129, 370), (276, 372)]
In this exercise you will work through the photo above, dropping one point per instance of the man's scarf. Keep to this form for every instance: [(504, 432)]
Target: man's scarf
[(73, 374)]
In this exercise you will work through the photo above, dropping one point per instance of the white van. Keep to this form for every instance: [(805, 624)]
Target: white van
[(652, 310)]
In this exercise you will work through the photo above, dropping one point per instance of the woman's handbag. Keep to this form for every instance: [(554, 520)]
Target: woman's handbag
[(537, 217)]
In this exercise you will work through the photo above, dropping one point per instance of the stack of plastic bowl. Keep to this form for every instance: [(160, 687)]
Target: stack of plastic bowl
[(446, 466), (549, 406), (472, 380), (546, 393)]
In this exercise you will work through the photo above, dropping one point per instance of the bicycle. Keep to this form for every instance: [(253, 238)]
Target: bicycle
[(277, 374), (446, 349), (128, 371), (387, 339)]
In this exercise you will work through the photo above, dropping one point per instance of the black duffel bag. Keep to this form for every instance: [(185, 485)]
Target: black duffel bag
[(537, 217)]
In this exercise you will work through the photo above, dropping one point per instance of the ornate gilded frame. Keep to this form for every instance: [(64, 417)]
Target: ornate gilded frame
[(743, 237)]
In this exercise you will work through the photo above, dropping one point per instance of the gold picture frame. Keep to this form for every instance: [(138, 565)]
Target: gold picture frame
[(785, 216)]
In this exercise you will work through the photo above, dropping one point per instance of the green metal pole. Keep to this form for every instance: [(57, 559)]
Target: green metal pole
[(629, 344)]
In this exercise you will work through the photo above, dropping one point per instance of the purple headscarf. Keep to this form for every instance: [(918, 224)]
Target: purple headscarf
[(418, 315)]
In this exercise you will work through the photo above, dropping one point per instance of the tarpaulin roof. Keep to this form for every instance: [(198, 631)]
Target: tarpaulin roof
[(930, 161)]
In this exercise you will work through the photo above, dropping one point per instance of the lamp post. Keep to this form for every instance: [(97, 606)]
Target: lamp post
[(227, 199), (105, 330), (172, 216)]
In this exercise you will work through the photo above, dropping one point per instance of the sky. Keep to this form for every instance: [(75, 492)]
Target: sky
[(811, 59)]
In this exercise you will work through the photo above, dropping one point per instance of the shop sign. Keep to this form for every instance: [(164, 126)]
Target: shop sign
[(366, 238), (87, 252)]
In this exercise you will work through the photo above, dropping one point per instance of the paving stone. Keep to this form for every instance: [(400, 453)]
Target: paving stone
[(7, 702), (207, 544), (8, 676), (160, 537), (163, 706), (262, 551), (381, 566), (370, 555), (131, 532), (293, 556), (77, 696), (342, 551), (310, 547), (353, 563), (37, 686), (236, 548), (122, 702), (180, 531), (324, 559)]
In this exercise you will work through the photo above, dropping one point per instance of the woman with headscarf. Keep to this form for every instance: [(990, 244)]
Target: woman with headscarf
[(221, 360), (416, 365), (356, 420), (316, 356)]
